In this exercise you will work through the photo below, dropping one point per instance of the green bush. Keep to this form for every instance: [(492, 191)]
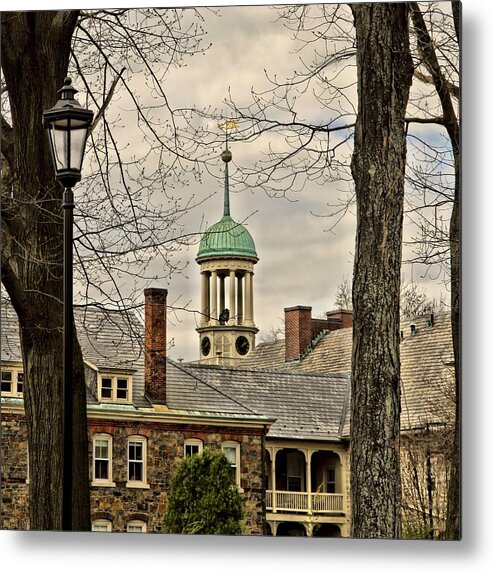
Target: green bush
[(204, 498)]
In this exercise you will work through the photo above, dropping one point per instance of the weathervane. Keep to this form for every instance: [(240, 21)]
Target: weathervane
[(227, 126)]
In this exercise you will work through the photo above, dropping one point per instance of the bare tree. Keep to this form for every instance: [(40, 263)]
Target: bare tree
[(126, 213), (440, 61), (309, 123), (344, 295), (384, 80)]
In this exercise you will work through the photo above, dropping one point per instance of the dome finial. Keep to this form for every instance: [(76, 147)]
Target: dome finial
[(226, 156)]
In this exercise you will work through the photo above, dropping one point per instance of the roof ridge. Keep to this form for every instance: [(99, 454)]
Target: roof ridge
[(280, 371)]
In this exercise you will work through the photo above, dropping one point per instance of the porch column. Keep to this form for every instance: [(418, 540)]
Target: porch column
[(308, 472), (213, 302), (232, 297), (309, 528), (274, 499), (204, 318)]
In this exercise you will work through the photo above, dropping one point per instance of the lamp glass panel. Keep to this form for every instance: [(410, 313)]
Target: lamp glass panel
[(68, 139)]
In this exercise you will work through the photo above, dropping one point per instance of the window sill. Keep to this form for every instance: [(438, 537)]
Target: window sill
[(137, 485), (108, 484)]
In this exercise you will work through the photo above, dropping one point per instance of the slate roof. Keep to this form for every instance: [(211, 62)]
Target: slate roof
[(305, 405), (112, 340), (426, 367)]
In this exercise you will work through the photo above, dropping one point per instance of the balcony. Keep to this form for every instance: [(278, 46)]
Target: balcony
[(304, 502)]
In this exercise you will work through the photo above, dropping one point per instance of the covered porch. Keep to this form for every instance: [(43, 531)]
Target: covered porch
[(308, 481)]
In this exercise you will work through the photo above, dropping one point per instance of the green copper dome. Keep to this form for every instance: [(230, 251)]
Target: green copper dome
[(227, 238)]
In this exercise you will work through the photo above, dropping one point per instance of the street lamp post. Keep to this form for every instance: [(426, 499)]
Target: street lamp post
[(67, 124)]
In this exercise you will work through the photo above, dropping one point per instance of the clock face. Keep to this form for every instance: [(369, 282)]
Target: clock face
[(242, 345), (205, 346)]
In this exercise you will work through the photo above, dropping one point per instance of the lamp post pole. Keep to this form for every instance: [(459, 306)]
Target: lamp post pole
[(68, 126), (68, 341)]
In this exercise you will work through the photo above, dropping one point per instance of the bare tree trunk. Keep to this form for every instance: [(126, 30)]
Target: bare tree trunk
[(35, 55), (451, 123), (378, 166)]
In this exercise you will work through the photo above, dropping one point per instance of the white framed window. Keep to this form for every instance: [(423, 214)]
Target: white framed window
[(101, 525), (231, 450), (192, 447), (115, 388), (102, 460), (137, 462), (12, 383), (136, 526)]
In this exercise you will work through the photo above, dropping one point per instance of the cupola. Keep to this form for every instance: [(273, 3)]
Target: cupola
[(226, 256)]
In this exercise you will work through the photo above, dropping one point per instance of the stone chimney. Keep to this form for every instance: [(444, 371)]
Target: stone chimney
[(297, 330), (155, 344)]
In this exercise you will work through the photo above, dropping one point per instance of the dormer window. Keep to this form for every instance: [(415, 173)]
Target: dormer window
[(115, 388), (12, 383)]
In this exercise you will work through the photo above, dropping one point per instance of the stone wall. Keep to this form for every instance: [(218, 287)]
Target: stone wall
[(15, 487), (119, 503)]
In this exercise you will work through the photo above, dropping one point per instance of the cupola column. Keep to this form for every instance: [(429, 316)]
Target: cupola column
[(240, 300), (204, 318), (222, 294), (232, 297), (249, 298), (213, 300)]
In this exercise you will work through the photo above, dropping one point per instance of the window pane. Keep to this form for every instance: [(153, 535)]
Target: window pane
[(20, 382), (135, 471), (106, 386), (101, 449), (6, 376), (121, 394), (135, 528), (101, 469), (122, 383), (135, 451), (230, 454), (100, 526), (191, 449), (6, 387)]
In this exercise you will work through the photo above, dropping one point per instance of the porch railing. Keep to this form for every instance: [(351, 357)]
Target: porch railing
[(299, 502)]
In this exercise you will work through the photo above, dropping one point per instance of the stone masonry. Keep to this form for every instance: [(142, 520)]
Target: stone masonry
[(119, 503)]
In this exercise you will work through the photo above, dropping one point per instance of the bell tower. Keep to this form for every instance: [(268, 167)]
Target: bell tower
[(226, 257)]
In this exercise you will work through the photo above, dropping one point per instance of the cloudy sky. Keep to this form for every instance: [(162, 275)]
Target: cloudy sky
[(300, 263), (475, 549), (302, 259)]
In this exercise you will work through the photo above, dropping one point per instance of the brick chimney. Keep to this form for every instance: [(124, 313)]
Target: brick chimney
[(298, 330), (155, 344), (301, 328), (339, 319)]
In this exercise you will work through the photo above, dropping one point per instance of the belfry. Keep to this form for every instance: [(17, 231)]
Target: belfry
[(226, 257)]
